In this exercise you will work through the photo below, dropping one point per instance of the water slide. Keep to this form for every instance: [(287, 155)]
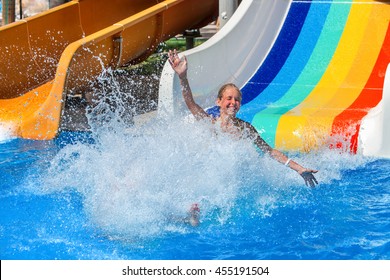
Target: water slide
[(312, 73), (61, 51)]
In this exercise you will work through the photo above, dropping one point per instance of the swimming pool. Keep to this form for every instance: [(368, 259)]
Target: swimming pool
[(120, 194)]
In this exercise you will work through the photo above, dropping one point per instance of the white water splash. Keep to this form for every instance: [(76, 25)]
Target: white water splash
[(6, 133), (138, 181)]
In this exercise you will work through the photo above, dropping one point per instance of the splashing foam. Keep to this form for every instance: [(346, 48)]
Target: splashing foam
[(6, 133), (139, 182)]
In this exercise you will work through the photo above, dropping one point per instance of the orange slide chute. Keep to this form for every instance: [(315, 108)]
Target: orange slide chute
[(61, 51)]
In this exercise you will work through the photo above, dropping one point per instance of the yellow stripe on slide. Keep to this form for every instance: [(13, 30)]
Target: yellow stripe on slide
[(309, 124), (363, 64)]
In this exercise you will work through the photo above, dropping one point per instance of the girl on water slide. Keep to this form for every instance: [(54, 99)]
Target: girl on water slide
[(229, 100)]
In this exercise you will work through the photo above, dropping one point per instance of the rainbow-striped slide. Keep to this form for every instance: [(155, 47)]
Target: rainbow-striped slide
[(312, 72)]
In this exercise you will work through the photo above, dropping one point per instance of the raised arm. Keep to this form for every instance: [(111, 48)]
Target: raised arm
[(180, 67)]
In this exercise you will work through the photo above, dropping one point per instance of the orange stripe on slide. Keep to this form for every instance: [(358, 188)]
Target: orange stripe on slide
[(347, 123)]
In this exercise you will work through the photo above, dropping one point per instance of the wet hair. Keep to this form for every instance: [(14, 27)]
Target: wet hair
[(224, 87)]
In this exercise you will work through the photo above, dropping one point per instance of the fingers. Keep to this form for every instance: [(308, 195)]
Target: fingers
[(309, 178), (315, 180), (170, 57), (173, 58), (311, 183)]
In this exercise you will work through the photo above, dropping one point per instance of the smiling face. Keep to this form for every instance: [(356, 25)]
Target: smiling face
[(229, 100)]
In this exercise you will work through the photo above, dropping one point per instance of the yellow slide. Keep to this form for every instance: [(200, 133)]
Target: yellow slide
[(45, 57)]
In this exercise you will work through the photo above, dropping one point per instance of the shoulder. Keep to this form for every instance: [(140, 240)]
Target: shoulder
[(247, 129), (252, 133), (245, 125)]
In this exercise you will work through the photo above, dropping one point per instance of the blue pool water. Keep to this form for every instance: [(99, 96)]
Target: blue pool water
[(120, 194)]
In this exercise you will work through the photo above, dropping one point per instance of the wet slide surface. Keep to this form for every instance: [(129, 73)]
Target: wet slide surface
[(310, 71), (329, 74)]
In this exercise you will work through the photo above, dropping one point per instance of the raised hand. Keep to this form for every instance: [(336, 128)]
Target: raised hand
[(178, 65)]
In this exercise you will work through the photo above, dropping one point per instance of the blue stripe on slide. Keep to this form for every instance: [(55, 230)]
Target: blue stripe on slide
[(278, 54), (294, 64)]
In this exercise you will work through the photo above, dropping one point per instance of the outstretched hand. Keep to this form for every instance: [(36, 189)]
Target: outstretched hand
[(178, 65), (309, 178)]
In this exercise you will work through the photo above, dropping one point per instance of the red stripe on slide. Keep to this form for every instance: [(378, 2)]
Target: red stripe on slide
[(347, 123)]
